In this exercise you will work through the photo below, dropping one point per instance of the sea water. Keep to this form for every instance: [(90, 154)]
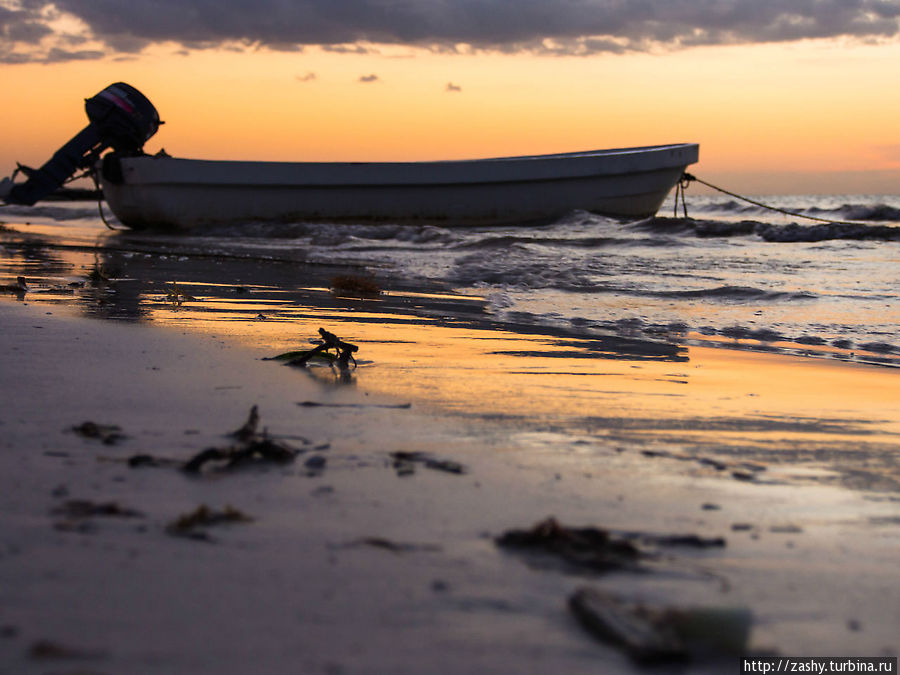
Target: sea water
[(731, 271)]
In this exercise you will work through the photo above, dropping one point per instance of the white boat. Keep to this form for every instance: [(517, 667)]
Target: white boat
[(162, 191)]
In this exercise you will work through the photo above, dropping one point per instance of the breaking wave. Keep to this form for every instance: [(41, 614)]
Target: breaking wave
[(475, 270), (870, 212), (791, 232), (737, 294), (56, 213), (880, 213)]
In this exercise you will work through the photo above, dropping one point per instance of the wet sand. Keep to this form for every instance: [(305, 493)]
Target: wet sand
[(364, 565)]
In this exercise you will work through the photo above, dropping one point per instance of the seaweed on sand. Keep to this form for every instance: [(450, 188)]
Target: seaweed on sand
[(251, 448), (394, 546), (108, 434), (48, 650), (177, 296), (353, 285), (587, 548), (20, 287), (404, 463), (77, 514), (594, 549), (193, 524), (256, 451), (248, 429)]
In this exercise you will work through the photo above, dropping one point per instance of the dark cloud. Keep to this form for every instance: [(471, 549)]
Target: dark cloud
[(26, 31), (308, 77), (453, 87), (56, 55), (365, 79), (545, 26)]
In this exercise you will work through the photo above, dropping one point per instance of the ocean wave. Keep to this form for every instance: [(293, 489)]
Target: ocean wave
[(744, 333), (509, 240), (826, 232), (58, 213), (791, 232), (476, 270), (879, 212), (331, 234), (663, 225), (736, 294), (879, 347), (727, 206), (865, 212)]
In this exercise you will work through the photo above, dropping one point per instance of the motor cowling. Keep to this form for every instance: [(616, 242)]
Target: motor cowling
[(120, 117), (124, 116)]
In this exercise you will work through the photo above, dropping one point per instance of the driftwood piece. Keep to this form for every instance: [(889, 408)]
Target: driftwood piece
[(344, 351)]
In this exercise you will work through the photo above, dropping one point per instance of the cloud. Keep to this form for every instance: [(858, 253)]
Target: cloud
[(56, 55), (542, 26), (349, 49), (453, 87), (368, 78), (307, 77)]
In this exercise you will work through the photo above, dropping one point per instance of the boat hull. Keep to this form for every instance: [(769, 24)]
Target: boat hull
[(168, 192)]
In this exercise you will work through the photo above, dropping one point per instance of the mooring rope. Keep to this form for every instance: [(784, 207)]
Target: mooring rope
[(93, 175), (686, 179)]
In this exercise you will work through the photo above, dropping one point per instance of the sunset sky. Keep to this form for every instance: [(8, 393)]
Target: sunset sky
[(782, 95)]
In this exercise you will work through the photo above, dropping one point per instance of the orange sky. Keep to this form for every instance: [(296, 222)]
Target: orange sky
[(813, 116)]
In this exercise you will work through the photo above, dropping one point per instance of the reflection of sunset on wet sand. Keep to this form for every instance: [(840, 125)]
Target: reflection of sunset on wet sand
[(694, 399)]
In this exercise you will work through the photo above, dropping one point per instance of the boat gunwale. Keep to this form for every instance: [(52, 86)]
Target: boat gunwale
[(174, 171)]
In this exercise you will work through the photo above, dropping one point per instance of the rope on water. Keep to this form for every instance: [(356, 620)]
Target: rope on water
[(686, 179)]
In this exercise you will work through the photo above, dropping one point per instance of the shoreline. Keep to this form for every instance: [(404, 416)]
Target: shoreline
[(313, 584)]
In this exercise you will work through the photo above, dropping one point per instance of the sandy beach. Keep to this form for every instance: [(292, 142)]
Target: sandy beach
[(354, 559)]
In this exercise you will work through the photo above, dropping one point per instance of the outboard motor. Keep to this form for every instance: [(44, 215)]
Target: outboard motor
[(120, 117)]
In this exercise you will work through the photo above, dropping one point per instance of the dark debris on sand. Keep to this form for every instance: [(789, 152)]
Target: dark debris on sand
[(594, 549), (76, 515), (83, 508), (355, 286), (108, 434), (193, 525), (251, 448), (587, 548), (49, 650), (343, 352), (651, 635), (253, 452), (394, 546), (404, 463)]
